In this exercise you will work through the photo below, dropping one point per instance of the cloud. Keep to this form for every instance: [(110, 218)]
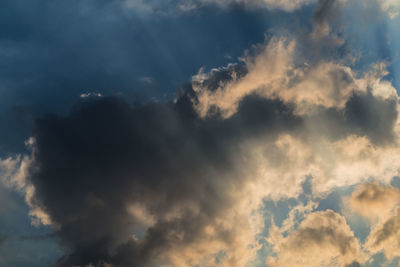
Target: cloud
[(338, 141), (322, 239), (190, 5), (175, 188), (14, 172), (391, 7), (91, 94), (384, 237), (375, 201), (380, 204), (286, 5), (325, 10), (275, 73), (326, 13), (161, 179), (180, 183)]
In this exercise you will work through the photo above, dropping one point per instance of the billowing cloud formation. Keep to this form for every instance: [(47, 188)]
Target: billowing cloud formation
[(322, 239), (274, 73), (179, 183), (160, 179)]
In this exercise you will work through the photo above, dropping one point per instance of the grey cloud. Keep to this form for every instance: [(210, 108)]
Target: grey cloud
[(157, 174), (90, 166)]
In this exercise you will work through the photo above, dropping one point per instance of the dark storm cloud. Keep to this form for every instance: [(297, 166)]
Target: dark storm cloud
[(106, 155)]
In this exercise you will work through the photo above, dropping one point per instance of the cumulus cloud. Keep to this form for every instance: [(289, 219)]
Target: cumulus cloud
[(180, 183), (347, 119), (161, 180), (274, 73), (322, 239), (172, 187)]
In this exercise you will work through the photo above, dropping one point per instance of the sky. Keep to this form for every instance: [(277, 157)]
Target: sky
[(199, 133)]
